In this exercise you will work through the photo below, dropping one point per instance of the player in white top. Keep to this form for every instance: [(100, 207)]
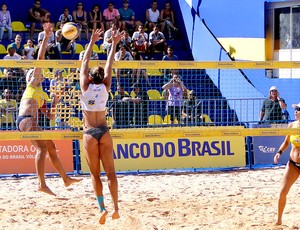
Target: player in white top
[(97, 142)]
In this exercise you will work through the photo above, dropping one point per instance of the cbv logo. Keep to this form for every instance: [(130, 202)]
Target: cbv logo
[(266, 149)]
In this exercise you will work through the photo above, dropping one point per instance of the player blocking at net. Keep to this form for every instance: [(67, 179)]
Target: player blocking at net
[(32, 100), (97, 142)]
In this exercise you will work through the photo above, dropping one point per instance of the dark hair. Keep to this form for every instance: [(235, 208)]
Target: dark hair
[(97, 75), (4, 4), (170, 47)]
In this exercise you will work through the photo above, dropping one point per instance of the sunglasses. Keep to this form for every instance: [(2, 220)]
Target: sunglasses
[(297, 109)]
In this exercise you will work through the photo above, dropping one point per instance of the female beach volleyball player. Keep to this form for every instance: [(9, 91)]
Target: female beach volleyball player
[(95, 85), (292, 170), (34, 98)]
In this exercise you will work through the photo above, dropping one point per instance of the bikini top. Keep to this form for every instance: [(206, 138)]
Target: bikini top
[(36, 93), (295, 139)]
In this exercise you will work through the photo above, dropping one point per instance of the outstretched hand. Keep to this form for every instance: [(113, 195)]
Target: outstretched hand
[(96, 35), (48, 29), (116, 36)]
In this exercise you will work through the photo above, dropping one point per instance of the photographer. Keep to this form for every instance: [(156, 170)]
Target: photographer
[(175, 89)]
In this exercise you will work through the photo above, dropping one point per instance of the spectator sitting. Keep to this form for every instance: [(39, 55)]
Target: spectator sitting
[(272, 107), (65, 17), (111, 16), (126, 41), (107, 38), (169, 57), (12, 55), (157, 41), (139, 104), (36, 17), (80, 17), (96, 18), (140, 39), (8, 107), (9, 81), (51, 45), (5, 22), (121, 108), (19, 47), (167, 16), (64, 44), (94, 55), (152, 16), (191, 110), (127, 18), (29, 50), (122, 55)]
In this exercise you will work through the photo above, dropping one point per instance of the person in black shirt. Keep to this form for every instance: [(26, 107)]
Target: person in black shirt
[(191, 111)]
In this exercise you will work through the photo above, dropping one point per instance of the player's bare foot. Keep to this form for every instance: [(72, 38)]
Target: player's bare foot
[(70, 181), (47, 190), (115, 216), (278, 222), (103, 217)]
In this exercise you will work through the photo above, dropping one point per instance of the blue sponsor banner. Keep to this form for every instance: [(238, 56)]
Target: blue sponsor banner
[(265, 148)]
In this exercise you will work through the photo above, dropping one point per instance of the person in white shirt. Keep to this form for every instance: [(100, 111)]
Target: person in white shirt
[(122, 55), (29, 50), (140, 39)]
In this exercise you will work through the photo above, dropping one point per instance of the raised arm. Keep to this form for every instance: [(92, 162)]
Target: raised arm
[(84, 70), (37, 77), (116, 36)]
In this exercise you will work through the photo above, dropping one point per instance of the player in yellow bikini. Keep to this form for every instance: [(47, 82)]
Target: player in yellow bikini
[(292, 170), (32, 100)]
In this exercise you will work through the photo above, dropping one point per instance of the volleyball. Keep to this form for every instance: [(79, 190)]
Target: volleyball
[(70, 30)]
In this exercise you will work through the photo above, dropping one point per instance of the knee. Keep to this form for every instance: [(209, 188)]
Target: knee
[(111, 175)]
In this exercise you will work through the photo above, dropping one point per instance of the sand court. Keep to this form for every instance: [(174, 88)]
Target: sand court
[(240, 199)]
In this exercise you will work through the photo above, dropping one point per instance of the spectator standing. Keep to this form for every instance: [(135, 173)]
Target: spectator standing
[(65, 17), (5, 22), (167, 18), (272, 107), (96, 18), (140, 39), (80, 17), (157, 41), (8, 107), (152, 16), (121, 109), (36, 16), (19, 47), (175, 88), (127, 18), (107, 40), (139, 106), (29, 50), (111, 16), (136, 73), (64, 44), (122, 55)]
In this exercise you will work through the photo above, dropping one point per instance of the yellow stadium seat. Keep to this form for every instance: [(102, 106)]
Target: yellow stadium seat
[(101, 50), (168, 121), (18, 26), (3, 49), (206, 118), (95, 48), (154, 94), (132, 94), (74, 122), (125, 92), (79, 48), (155, 120), (154, 72)]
